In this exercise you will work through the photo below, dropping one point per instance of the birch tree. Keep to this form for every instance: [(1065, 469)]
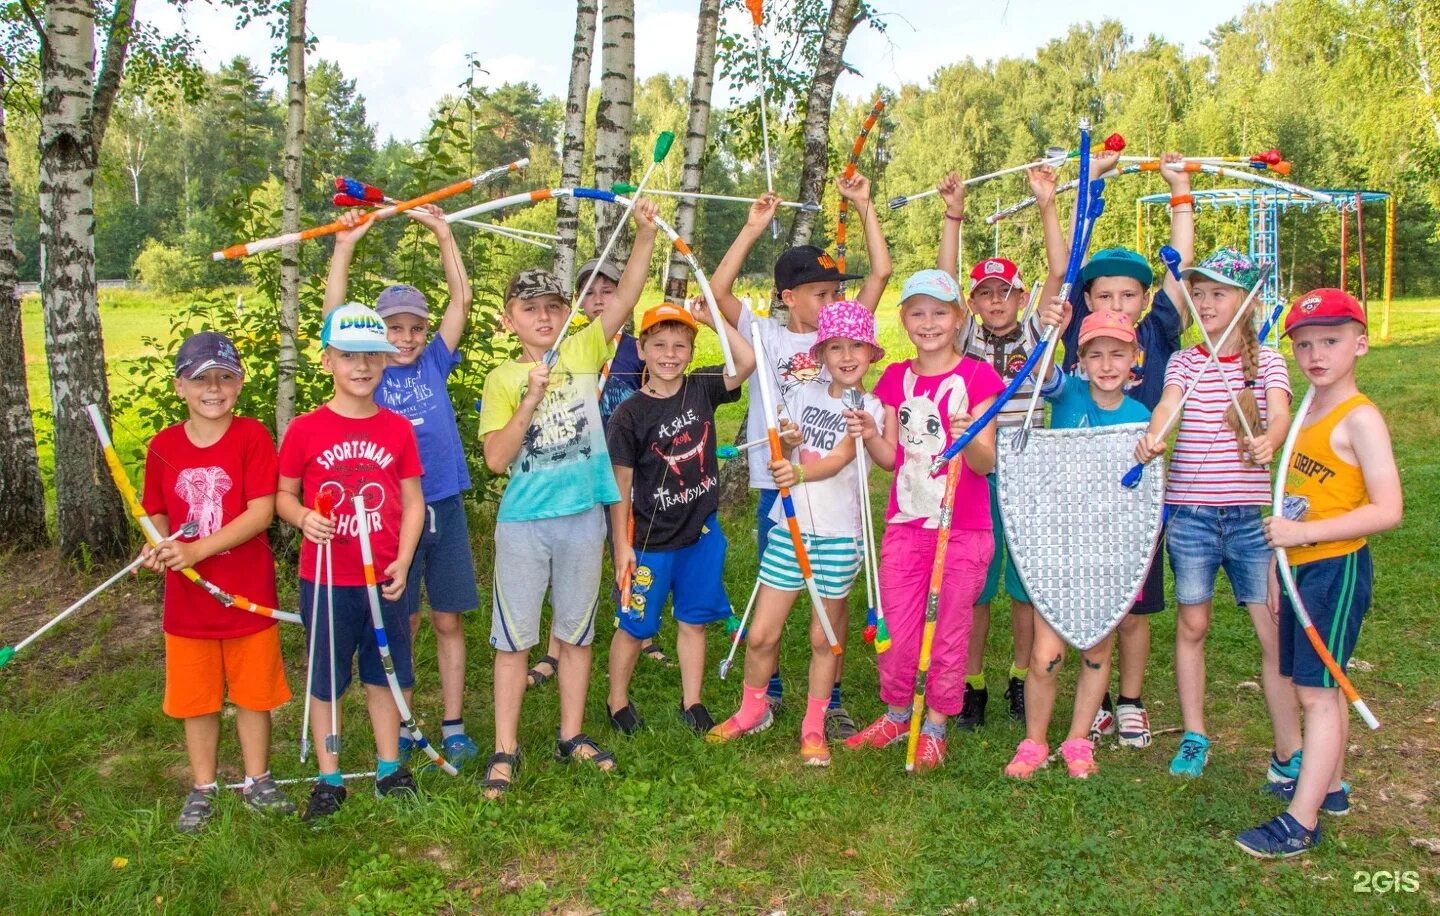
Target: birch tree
[(577, 105), (290, 215), (844, 16), (75, 104), (615, 115), (22, 492), (702, 82)]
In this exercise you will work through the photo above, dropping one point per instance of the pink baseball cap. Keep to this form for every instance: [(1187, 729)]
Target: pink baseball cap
[(997, 269), (1106, 323), (847, 319)]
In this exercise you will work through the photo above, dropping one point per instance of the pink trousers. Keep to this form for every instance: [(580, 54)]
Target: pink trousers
[(906, 558)]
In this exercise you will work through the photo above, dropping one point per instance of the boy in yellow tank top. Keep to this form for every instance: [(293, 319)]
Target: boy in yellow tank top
[(1342, 486)]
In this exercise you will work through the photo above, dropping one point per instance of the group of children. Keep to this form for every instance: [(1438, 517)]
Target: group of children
[(608, 437)]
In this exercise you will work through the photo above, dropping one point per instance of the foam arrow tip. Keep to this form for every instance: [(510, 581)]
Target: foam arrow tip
[(663, 144), (1171, 257)]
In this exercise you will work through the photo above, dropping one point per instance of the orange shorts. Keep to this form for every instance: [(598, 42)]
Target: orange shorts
[(197, 671)]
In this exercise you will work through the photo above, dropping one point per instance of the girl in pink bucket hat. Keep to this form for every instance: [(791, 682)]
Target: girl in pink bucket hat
[(825, 484)]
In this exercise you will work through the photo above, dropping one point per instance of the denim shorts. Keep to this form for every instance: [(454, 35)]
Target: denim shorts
[(1202, 539)]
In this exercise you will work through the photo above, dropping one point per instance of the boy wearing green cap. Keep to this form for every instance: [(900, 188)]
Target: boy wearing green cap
[(1119, 279)]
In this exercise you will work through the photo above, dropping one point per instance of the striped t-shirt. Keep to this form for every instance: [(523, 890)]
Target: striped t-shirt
[(1205, 467), (1006, 354)]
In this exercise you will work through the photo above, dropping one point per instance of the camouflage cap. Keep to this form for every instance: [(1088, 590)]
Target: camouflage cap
[(534, 283)]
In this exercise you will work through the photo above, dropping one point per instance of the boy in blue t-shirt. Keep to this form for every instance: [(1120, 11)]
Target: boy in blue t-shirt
[(414, 386), (1119, 280)]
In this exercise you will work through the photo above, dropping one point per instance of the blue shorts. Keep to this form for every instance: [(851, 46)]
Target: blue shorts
[(354, 639), (692, 577), (1151, 599), (1336, 593), (1000, 560), (1202, 539), (444, 561), (764, 524)]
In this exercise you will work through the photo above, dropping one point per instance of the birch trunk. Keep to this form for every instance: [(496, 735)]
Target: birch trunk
[(816, 132), (577, 105), (702, 81), (289, 357), (22, 492), (615, 115), (88, 508)]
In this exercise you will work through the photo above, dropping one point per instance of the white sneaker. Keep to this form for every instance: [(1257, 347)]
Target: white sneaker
[(1104, 724), (1134, 725)]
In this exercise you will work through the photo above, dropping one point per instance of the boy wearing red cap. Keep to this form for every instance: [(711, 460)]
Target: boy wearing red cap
[(806, 280), (1342, 486), (1000, 338), (662, 447)]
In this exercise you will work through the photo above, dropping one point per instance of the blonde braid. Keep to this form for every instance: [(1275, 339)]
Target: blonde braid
[(1250, 362)]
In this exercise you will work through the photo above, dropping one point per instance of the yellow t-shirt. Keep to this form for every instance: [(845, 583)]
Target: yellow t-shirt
[(1324, 484), (563, 466)]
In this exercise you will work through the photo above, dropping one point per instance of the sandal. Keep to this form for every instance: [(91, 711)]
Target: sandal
[(537, 678), (496, 787), (656, 654), (568, 750)]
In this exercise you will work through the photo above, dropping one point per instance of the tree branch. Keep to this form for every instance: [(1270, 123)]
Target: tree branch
[(107, 86)]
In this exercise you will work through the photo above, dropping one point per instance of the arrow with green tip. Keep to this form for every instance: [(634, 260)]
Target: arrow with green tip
[(623, 188)]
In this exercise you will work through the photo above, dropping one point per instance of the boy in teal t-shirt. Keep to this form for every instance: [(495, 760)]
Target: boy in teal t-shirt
[(541, 425)]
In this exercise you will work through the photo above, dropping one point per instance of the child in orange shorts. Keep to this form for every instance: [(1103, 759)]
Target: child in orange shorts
[(217, 471)]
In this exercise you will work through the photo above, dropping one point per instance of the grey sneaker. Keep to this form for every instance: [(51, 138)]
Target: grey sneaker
[(265, 796), (199, 807), (839, 725)]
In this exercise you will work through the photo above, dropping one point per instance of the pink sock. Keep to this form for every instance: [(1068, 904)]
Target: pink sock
[(814, 722), (752, 706)]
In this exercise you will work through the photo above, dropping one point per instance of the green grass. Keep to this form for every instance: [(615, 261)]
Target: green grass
[(92, 770)]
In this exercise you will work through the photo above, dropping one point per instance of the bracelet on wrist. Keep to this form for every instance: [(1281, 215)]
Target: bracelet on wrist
[(955, 219), (799, 473), (1179, 199)]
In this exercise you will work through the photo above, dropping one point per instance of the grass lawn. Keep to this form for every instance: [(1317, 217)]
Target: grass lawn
[(92, 773)]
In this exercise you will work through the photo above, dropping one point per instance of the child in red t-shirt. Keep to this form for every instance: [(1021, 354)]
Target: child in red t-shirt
[(351, 447), (217, 470)]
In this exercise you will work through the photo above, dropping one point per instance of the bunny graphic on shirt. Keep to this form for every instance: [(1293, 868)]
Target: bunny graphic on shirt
[(923, 423)]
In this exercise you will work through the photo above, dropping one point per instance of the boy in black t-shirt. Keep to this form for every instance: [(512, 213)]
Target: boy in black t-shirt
[(662, 446)]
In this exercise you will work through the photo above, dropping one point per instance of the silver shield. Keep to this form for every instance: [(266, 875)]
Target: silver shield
[(1081, 541)]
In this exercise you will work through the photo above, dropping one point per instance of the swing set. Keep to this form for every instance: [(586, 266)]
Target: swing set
[(1263, 207)]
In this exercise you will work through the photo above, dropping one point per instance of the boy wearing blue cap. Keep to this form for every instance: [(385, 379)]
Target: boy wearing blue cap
[(345, 448), (414, 386), (1119, 279)]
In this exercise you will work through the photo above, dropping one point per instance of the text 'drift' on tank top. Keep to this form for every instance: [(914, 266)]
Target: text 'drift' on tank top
[(1320, 484)]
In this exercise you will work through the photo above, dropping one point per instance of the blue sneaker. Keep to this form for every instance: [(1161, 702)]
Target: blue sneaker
[(458, 749), (1190, 759), (407, 747), (1279, 838), (1289, 771), (1336, 803)]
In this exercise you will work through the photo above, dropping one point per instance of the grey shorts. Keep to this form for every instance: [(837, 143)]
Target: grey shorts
[(558, 555)]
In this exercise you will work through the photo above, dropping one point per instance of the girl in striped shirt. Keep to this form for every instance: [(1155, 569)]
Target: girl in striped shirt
[(1218, 482)]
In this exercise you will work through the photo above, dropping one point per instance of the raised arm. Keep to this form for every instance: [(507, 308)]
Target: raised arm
[(337, 280), (856, 189), (1182, 229), (722, 280), (952, 191), (637, 269), (740, 348), (457, 312), (1057, 253)]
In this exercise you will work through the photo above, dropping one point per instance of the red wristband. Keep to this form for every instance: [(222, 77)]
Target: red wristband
[(958, 219), (1179, 199)]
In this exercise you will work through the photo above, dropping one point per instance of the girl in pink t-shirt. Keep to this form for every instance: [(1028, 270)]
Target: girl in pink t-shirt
[(928, 401)]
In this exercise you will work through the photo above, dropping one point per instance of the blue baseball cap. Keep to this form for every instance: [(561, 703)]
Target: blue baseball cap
[(1118, 262), (206, 350), (936, 284), (354, 328)]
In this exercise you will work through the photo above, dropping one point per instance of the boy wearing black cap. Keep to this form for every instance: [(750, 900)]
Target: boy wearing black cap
[(806, 279), (217, 470), (1119, 279), (414, 386)]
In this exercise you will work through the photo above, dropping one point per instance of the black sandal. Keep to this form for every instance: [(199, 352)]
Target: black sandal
[(500, 785), (655, 653), (537, 678), (565, 752)]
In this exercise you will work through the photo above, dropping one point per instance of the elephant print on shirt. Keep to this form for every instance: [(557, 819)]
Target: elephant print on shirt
[(923, 425), (203, 490)]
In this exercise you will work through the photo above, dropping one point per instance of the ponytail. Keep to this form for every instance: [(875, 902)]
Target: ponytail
[(1250, 362)]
